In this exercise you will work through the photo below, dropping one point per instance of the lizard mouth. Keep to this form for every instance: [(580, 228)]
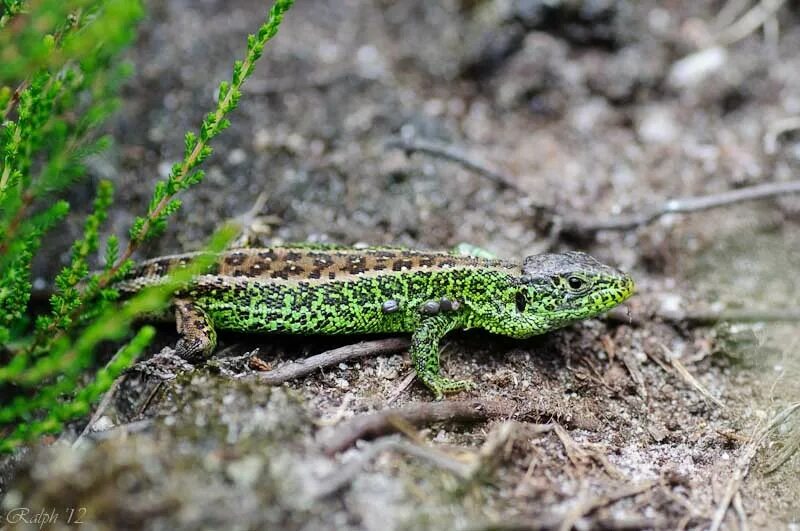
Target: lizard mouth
[(611, 295), (620, 292), (627, 289)]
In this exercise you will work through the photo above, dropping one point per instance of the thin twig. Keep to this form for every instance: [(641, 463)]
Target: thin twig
[(404, 384), (740, 512), (579, 225), (453, 154), (290, 85), (749, 22), (345, 475), (305, 366), (729, 13), (580, 456), (789, 448), (12, 101), (372, 425), (149, 399), (687, 377), (742, 466), (467, 467), (772, 36), (122, 430), (587, 506), (101, 409), (585, 227)]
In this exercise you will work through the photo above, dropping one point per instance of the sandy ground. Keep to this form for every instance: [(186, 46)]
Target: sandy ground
[(589, 106)]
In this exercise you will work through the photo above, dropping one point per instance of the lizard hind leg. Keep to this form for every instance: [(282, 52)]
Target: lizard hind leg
[(425, 356), (198, 337)]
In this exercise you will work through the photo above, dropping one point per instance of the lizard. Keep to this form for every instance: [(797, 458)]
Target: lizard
[(381, 290)]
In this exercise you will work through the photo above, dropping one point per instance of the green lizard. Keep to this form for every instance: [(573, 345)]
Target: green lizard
[(341, 291)]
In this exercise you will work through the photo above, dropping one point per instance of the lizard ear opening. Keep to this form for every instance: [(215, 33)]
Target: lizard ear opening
[(522, 301)]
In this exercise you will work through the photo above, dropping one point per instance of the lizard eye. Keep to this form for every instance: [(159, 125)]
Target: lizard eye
[(522, 301), (575, 283)]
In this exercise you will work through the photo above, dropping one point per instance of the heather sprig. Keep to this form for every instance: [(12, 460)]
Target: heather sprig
[(59, 78), (185, 174)]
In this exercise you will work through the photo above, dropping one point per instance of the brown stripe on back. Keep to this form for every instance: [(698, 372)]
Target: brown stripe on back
[(305, 264), (294, 264), (159, 267)]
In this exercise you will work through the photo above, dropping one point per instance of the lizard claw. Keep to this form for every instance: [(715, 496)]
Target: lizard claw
[(445, 386)]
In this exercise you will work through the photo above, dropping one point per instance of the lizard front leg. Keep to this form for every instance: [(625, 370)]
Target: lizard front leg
[(425, 355), (198, 337)]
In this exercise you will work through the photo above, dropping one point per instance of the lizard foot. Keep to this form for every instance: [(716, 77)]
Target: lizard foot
[(441, 386)]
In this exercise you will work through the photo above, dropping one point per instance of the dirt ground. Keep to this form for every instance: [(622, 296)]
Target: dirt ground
[(589, 106)]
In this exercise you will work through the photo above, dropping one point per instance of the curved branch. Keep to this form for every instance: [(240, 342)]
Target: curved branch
[(586, 226), (579, 225), (305, 366), (379, 423)]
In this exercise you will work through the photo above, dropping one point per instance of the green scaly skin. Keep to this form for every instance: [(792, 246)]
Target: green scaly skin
[(343, 291)]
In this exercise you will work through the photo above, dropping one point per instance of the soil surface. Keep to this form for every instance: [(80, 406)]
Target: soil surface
[(594, 106)]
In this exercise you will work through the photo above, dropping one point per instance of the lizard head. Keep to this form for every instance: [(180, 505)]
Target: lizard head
[(561, 288)]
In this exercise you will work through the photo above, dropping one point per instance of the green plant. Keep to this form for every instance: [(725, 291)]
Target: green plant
[(59, 76)]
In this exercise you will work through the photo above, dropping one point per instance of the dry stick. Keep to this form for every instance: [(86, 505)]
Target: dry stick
[(372, 425), (788, 450), (305, 366), (688, 377), (578, 225), (402, 386), (580, 456), (586, 506), (12, 101), (729, 13), (742, 466), (456, 155), (740, 512), (749, 22), (101, 409), (681, 206), (772, 38), (345, 475), (496, 448), (290, 85)]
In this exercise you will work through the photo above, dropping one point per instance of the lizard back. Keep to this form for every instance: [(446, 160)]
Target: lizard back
[(328, 291), (292, 265)]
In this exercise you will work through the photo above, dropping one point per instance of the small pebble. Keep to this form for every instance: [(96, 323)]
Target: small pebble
[(237, 156), (697, 67)]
